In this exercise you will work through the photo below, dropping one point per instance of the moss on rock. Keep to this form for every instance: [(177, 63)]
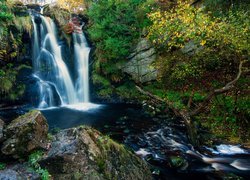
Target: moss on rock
[(84, 153), (25, 134)]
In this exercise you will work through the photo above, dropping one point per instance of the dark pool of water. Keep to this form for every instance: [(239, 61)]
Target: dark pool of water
[(101, 117)]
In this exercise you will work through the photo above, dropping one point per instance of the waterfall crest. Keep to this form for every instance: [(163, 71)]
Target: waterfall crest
[(54, 82)]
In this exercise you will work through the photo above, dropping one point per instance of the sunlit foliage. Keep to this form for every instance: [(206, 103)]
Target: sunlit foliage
[(72, 5), (217, 43), (200, 48)]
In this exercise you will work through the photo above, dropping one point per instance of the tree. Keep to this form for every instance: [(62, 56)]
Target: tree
[(220, 48)]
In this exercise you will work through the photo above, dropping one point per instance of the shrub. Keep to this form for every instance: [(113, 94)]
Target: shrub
[(115, 27)]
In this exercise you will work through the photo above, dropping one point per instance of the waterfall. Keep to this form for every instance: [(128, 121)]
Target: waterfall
[(81, 52), (54, 82)]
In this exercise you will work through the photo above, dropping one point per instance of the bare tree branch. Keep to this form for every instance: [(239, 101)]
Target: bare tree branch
[(215, 92)]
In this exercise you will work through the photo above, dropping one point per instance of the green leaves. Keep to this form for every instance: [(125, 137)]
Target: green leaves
[(5, 14), (33, 162), (115, 28)]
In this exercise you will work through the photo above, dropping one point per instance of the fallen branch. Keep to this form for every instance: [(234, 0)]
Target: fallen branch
[(149, 94), (185, 114), (216, 92)]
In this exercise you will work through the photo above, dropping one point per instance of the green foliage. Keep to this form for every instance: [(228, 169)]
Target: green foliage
[(2, 166), (106, 93), (128, 91), (5, 14), (33, 162), (115, 28), (5, 17), (196, 45), (34, 158), (12, 28), (174, 97), (200, 50), (9, 87), (50, 136), (220, 7), (105, 89), (98, 79)]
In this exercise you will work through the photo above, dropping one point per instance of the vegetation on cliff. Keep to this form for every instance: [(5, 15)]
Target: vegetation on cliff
[(15, 26), (115, 26)]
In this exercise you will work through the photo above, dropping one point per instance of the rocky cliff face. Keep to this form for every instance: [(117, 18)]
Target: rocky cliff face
[(140, 62)]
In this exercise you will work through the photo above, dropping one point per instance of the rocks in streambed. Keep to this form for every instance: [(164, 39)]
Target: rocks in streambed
[(178, 162), (84, 153), (20, 172), (1, 130), (25, 134)]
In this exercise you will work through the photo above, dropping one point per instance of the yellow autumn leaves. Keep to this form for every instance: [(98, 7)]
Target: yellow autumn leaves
[(176, 27), (179, 25), (72, 5)]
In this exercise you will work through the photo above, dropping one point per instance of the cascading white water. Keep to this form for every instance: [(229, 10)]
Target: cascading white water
[(81, 52), (50, 70)]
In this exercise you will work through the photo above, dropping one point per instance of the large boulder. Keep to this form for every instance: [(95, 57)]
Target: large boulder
[(83, 153), (1, 130), (25, 134), (140, 62)]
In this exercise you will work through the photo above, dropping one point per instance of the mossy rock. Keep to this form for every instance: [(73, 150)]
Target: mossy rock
[(25, 134), (84, 153), (178, 162)]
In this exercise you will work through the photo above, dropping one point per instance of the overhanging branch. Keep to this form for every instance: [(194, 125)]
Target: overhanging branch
[(215, 92)]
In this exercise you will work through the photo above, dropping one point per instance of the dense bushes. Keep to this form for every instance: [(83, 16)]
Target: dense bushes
[(115, 27)]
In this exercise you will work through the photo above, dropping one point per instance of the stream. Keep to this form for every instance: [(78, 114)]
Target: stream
[(160, 141)]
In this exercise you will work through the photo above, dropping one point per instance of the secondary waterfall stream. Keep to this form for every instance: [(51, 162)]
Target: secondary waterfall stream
[(54, 80)]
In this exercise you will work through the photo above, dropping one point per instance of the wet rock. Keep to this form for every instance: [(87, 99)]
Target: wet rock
[(61, 16), (83, 153), (35, 7), (1, 130), (18, 171), (139, 65), (178, 162), (20, 9), (25, 134)]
